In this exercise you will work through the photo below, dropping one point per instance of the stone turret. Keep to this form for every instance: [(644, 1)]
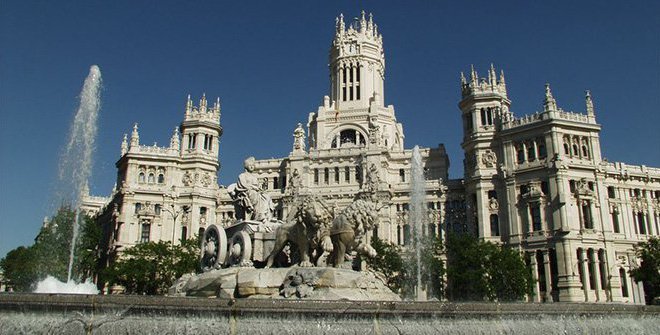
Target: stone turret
[(135, 137), (549, 103), (357, 63)]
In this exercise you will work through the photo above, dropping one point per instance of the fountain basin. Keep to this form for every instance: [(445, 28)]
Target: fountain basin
[(76, 314)]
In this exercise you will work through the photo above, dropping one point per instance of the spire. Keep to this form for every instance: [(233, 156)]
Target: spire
[(189, 105), (342, 26), (202, 103), (124, 145), (473, 76), (502, 78), (363, 23), (463, 80), (549, 103), (492, 77), (370, 24), (135, 137), (174, 141), (216, 105), (589, 102)]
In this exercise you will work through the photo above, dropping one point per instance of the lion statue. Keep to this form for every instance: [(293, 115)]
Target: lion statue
[(349, 229), (308, 227)]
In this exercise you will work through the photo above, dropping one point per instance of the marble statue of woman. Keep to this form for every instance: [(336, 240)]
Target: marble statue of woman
[(249, 194)]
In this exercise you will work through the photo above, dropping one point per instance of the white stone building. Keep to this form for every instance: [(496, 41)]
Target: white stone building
[(536, 182)]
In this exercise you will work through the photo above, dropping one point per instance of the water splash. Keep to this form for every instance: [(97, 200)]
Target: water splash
[(417, 215), (75, 166), (52, 285)]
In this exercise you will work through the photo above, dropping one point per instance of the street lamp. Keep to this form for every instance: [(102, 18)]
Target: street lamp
[(175, 214)]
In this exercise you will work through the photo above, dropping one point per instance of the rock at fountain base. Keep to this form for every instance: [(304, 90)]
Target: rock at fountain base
[(314, 283)]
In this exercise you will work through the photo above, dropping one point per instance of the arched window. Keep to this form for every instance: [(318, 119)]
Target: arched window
[(585, 151), (483, 116), (161, 178), (567, 150), (576, 152), (138, 207), (141, 177), (520, 151), (543, 153), (146, 232), (200, 232), (336, 175), (157, 209), (531, 153), (151, 179)]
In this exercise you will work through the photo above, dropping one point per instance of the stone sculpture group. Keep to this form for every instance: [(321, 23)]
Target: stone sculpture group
[(308, 255)]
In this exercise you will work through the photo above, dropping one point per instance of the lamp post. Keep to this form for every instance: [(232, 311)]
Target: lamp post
[(175, 214)]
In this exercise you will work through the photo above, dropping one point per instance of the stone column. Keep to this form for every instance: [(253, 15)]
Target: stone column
[(568, 281), (585, 279), (605, 273), (548, 276), (596, 275), (535, 277)]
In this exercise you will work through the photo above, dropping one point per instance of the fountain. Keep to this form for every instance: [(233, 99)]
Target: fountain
[(417, 217), (75, 169)]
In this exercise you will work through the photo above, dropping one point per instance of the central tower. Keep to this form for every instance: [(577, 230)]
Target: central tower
[(357, 63)]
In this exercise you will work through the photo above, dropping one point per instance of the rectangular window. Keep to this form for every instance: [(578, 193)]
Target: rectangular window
[(138, 207), (611, 192), (336, 175), (544, 188), (316, 176), (276, 183), (535, 212), (326, 176), (586, 215), (492, 194), (494, 225), (358, 174), (347, 174), (184, 233), (146, 231), (402, 175), (615, 222), (202, 211), (157, 209), (641, 222)]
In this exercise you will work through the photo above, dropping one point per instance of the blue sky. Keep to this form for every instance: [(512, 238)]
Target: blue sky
[(267, 61)]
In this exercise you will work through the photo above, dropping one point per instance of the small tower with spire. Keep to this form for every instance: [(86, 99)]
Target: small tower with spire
[(484, 101), (357, 63), (200, 132)]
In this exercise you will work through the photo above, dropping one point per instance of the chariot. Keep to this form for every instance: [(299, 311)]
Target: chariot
[(242, 244)]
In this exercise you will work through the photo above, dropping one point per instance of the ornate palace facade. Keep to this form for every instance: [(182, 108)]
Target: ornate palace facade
[(537, 182)]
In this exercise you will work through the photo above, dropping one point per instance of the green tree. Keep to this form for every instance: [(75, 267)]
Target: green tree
[(49, 255), (478, 270), (649, 270), (152, 267), (388, 262), (20, 270), (400, 269), (86, 262)]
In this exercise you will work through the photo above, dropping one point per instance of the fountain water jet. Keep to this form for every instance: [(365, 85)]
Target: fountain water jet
[(417, 216), (75, 165)]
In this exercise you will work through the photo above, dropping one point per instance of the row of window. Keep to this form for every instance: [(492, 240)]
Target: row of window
[(337, 172), (531, 150), (151, 178), (348, 138), (192, 141), (636, 192), (350, 82), (576, 147), (487, 118), (145, 232)]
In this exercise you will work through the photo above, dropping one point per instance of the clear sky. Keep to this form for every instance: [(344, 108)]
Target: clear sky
[(267, 61)]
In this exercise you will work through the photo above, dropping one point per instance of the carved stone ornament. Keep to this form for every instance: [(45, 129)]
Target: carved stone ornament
[(489, 159), (493, 204), (187, 179)]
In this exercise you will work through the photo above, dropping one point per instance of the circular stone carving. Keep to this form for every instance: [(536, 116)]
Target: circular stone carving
[(488, 158), (214, 248), (241, 249)]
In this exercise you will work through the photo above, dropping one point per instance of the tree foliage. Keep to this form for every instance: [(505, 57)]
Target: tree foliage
[(400, 268), (24, 267), (152, 267), (479, 270), (649, 270)]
